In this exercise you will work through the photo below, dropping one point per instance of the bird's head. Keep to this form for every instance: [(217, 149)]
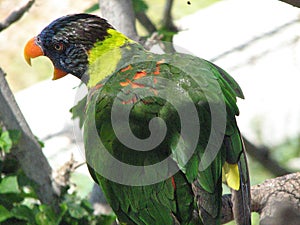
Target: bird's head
[(67, 42)]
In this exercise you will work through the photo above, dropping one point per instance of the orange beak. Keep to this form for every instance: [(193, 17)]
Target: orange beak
[(32, 50)]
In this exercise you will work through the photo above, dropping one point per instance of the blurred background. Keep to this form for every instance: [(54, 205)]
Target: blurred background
[(257, 42)]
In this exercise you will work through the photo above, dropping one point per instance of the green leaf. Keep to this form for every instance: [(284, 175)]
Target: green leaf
[(87, 205), (63, 210), (42, 144), (5, 142), (8, 200), (139, 6), (76, 211), (167, 34), (92, 8), (4, 213), (15, 136), (10, 165), (23, 212), (79, 111), (46, 216), (24, 181), (106, 219), (9, 185), (42, 219)]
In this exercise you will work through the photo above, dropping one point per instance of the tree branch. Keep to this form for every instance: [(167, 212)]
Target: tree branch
[(146, 22), (295, 3), (263, 156), (121, 15), (255, 39), (28, 151), (167, 21), (276, 200), (15, 15)]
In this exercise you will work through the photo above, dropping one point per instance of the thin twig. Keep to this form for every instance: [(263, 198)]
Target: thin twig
[(255, 40), (167, 17), (146, 22), (295, 3), (15, 15), (263, 156)]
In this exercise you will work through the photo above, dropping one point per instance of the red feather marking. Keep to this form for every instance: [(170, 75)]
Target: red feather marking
[(98, 86), (160, 62), (125, 83), (133, 84), (136, 85), (173, 183), (154, 91), (130, 101), (140, 74), (92, 91), (126, 68), (157, 70)]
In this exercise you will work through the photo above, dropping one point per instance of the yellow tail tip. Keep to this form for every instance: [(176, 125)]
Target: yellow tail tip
[(231, 175)]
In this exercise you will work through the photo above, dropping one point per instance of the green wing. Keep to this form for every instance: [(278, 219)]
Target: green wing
[(150, 89)]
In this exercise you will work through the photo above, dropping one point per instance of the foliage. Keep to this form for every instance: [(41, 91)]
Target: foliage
[(92, 8), (288, 151), (139, 6), (20, 205), (8, 139), (78, 111)]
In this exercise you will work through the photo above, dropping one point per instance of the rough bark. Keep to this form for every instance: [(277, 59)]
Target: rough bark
[(276, 200), (121, 15), (28, 151)]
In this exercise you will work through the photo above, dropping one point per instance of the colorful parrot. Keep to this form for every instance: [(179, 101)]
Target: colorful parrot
[(160, 132)]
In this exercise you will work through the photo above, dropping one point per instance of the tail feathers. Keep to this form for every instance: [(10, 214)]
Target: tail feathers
[(209, 204), (241, 198)]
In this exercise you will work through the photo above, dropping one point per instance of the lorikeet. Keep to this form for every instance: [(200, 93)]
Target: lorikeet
[(160, 132)]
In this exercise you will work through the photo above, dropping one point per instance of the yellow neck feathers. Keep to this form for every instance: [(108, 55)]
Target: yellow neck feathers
[(105, 55)]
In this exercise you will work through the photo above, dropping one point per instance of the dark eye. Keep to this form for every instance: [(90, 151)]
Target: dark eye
[(59, 46)]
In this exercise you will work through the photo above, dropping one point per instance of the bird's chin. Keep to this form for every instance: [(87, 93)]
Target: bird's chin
[(58, 73)]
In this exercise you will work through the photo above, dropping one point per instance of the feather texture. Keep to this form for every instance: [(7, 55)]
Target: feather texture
[(143, 110)]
